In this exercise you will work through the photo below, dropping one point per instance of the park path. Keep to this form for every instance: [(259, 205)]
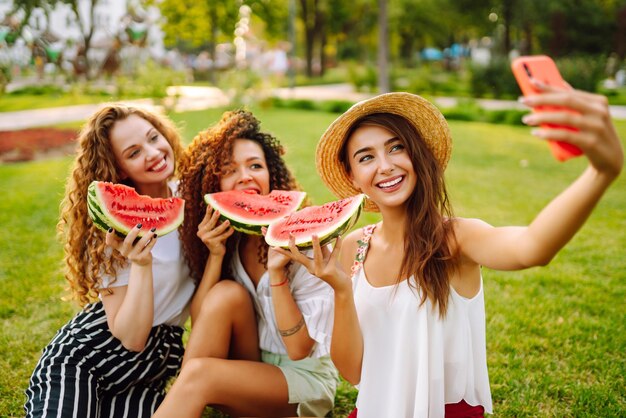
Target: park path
[(189, 98), (346, 92), (197, 98)]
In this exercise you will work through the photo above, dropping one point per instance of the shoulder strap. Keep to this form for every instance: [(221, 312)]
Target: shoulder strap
[(361, 250)]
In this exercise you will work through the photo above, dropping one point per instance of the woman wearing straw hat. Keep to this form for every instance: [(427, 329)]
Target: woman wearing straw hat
[(409, 323)]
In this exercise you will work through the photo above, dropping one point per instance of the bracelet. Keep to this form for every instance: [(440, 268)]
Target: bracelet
[(291, 331), (281, 283)]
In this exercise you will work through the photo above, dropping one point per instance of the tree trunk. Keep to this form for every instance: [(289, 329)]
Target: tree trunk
[(321, 33), (508, 6), (527, 45), (308, 37), (323, 57), (558, 41), (213, 43), (406, 49), (86, 32), (620, 44), (383, 48)]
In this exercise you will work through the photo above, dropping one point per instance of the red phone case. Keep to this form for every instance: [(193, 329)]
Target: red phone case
[(542, 68)]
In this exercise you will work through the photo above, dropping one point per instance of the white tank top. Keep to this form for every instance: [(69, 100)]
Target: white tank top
[(413, 361)]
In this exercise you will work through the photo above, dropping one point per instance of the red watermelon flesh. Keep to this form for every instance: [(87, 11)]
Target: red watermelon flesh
[(120, 207), (249, 211), (327, 222)]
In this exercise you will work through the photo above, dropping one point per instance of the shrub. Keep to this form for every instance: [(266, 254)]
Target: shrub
[(331, 106), (335, 106), (584, 73), (469, 110), (38, 90), (363, 78), (5, 76), (493, 80)]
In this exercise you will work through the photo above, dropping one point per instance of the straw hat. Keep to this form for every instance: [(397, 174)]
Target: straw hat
[(424, 116)]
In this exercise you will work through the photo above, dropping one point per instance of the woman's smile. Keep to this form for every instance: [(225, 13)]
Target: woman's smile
[(392, 184), (159, 166)]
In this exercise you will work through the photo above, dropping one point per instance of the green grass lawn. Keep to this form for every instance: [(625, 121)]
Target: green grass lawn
[(16, 102), (556, 335)]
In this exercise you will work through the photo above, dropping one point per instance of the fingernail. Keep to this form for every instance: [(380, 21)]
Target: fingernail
[(110, 230), (529, 118), (154, 236), (153, 229), (538, 133), (139, 226), (527, 100)]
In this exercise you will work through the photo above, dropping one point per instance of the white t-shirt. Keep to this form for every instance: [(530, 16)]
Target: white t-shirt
[(313, 296), (173, 285), (413, 361)]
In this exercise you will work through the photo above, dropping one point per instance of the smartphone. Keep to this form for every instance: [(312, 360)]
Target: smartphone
[(543, 68)]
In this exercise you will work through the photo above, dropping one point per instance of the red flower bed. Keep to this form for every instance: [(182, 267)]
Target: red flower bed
[(29, 144)]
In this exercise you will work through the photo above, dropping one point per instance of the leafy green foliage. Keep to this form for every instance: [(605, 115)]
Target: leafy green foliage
[(582, 72), (493, 80), (190, 24), (151, 80)]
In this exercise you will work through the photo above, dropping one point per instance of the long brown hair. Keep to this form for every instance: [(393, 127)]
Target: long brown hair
[(200, 172), (428, 258), (85, 256)]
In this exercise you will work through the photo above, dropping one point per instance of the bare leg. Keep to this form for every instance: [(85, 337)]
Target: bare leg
[(237, 387), (226, 325)]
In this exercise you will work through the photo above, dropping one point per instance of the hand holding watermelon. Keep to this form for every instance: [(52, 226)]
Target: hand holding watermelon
[(212, 234), (136, 249), (324, 264), (276, 260)]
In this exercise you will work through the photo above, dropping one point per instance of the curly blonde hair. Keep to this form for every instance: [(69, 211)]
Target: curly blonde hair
[(85, 257), (200, 170)]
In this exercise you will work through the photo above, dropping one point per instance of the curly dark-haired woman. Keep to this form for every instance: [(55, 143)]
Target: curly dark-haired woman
[(259, 344)]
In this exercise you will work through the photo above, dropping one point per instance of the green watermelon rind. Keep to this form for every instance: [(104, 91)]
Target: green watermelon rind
[(326, 237), (242, 225), (97, 220), (249, 229), (96, 216), (102, 219)]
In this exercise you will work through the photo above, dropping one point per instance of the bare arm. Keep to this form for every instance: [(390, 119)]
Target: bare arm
[(347, 342), (214, 236), (130, 309), (289, 318), (511, 248)]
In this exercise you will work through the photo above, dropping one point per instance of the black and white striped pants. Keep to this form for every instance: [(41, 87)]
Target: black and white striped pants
[(85, 371)]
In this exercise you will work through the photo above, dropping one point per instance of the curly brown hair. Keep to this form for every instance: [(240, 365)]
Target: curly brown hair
[(85, 256), (200, 170)]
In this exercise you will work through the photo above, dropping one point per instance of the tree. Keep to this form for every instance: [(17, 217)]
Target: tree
[(383, 48), (27, 7), (312, 18), (422, 23), (86, 25), (190, 24)]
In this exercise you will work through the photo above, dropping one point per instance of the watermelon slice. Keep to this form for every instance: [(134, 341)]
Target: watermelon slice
[(327, 222), (249, 211), (120, 207)]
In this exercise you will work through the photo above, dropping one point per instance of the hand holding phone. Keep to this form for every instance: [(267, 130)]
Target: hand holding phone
[(543, 69)]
